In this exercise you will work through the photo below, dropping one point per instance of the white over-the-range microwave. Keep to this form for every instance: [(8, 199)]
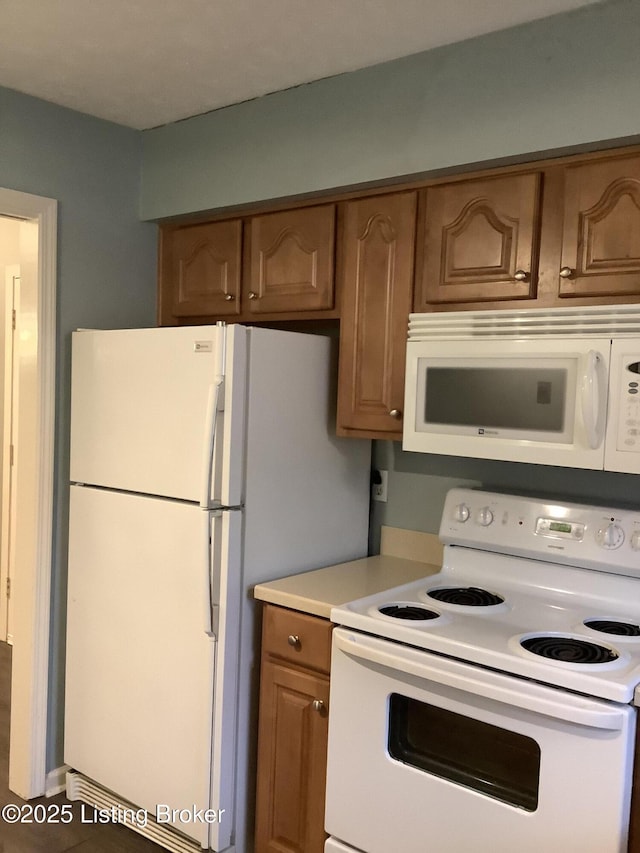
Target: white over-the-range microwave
[(553, 387)]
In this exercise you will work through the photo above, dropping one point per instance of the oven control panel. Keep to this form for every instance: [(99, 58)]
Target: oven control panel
[(602, 538), (555, 529)]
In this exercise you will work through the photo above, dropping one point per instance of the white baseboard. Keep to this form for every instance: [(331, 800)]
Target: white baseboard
[(56, 781)]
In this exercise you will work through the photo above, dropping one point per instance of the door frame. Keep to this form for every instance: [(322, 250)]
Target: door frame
[(7, 511), (30, 660)]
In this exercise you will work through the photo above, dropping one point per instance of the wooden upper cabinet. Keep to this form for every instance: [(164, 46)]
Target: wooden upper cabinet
[(601, 231), (377, 287), (480, 240), (200, 270), (291, 261)]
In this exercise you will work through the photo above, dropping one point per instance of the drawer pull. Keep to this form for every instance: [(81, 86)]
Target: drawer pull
[(566, 272), (294, 640), (395, 413), (229, 297), (521, 275), (252, 295), (318, 705)]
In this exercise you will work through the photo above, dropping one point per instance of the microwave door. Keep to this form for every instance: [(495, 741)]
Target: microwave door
[(518, 400), (622, 443)]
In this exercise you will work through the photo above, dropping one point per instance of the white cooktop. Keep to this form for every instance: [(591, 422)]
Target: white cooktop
[(537, 595)]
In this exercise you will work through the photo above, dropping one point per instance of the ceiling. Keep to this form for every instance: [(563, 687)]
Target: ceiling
[(143, 63)]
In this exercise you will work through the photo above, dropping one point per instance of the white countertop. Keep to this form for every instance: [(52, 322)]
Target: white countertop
[(317, 591)]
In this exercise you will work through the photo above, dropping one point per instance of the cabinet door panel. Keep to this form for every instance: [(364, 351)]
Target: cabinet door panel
[(601, 234), (379, 242), (292, 261), (481, 240), (292, 760), (200, 270)]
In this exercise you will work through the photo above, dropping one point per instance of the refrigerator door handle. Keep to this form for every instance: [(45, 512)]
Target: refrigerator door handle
[(213, 401), (213, 524)]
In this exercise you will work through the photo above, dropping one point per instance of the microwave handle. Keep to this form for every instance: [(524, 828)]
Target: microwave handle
[(594, 398)]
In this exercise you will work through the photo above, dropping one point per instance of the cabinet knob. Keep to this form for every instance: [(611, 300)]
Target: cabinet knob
[(229, 297), (318, 705), (521, 275), (252, 295), (566, 272), (294, 640), (395, 413)]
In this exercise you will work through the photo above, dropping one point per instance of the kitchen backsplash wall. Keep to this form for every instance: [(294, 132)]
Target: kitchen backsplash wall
[(417, 485)]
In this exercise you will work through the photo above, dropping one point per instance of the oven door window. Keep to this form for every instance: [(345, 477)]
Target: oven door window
[(494, 761)]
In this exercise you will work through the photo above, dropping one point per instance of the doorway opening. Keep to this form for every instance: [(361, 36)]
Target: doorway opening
[(27, 524)]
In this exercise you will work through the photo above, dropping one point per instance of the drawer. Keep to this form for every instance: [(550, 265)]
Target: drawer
[(297, 637)]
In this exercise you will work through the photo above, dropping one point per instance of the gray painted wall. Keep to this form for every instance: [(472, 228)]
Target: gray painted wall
[(417, 485), (560, 82), (106, 273), (564, 82)]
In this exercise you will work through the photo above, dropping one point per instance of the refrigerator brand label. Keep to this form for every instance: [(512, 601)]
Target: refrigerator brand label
[(203, 346)]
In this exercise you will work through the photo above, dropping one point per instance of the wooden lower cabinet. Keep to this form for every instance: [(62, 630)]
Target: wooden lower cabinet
[(292, 732)]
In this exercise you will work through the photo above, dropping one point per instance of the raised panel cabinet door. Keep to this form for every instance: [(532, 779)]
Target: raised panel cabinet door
[(292, 261), (481, 240), (601, 234), (292, 760), (379, 243), (200, 270)]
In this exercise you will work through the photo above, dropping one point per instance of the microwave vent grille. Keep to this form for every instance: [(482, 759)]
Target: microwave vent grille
[(593, 321)]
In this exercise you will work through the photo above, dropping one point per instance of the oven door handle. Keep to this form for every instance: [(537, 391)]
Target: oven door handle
[(520, 693)]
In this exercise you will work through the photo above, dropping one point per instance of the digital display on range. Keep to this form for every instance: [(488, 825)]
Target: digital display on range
[(560, 526)]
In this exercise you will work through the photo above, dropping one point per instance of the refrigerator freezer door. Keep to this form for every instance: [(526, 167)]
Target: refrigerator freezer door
[(141, 669), (139, 405)]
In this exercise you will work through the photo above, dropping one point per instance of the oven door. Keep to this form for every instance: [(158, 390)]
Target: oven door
[(518, 400), (429, 753)]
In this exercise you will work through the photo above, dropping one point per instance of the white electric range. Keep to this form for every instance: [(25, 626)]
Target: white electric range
[(499, 690)]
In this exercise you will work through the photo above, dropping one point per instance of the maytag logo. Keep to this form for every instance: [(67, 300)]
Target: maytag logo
[(483, 431)]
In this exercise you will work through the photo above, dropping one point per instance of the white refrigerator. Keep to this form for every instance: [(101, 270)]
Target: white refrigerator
[(203, 461)]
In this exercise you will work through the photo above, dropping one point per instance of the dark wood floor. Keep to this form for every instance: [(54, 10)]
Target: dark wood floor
[(53, 838)]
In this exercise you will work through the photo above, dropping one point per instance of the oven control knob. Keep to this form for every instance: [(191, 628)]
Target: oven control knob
[(635, 540), (484, 517), (461, 513), (610, 537)]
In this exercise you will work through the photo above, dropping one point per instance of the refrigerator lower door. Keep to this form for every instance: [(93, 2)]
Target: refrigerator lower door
[(141, 668), (226, 598)]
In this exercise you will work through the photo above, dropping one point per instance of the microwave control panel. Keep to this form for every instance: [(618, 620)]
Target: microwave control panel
[(628, 433), (622, 442)]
